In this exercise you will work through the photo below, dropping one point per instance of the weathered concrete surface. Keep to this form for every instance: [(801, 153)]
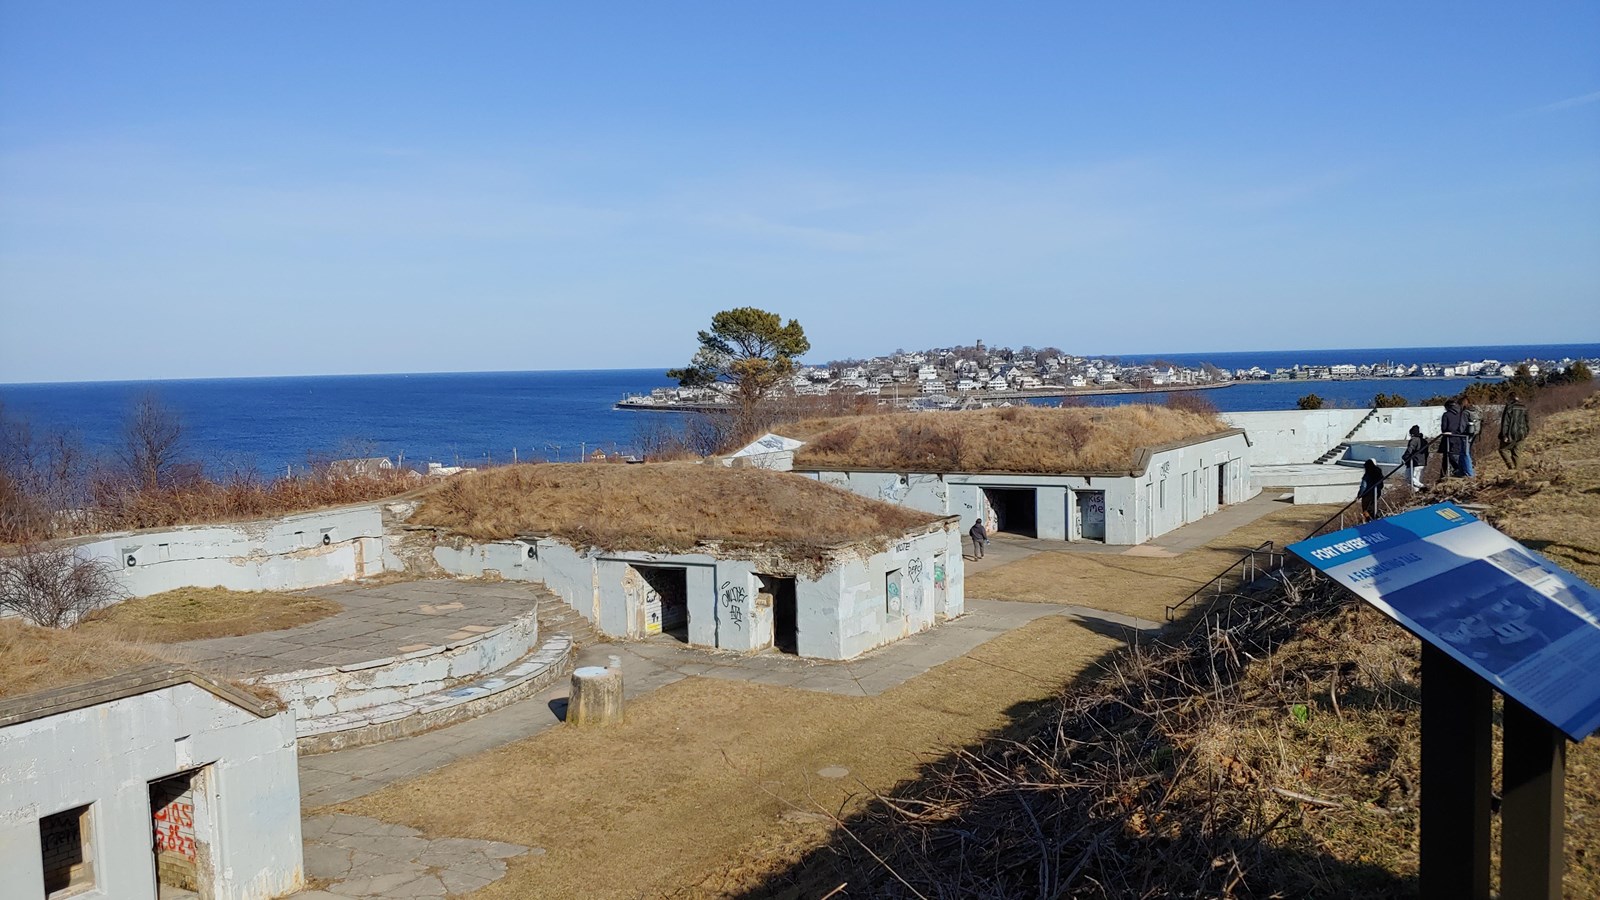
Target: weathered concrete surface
[(851, 607), (362, 857), (246, 809), (648, 665), (378, 621), (286, 553)]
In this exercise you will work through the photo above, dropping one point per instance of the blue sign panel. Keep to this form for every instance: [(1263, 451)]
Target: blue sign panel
[(1528, 626)]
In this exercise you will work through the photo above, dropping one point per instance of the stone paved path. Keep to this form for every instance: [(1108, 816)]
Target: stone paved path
[(356, 856), (377, 621), (347, 774)]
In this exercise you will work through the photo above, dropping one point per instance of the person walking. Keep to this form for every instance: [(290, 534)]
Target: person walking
[(1452, 432), (1513, 430), (1415, 457), (1371, 489), (980, 536)]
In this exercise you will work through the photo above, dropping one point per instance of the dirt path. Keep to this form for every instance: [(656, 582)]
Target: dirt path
[(711, 783)]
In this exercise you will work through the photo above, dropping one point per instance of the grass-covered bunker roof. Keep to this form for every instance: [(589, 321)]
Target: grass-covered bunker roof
[(662, 507), (1020, 439)]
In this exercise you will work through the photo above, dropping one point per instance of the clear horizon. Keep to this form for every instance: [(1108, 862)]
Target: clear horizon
[(205, 191), (663, 368)]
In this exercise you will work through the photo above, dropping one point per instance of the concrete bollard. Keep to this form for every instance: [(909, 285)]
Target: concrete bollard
[(596, 697)]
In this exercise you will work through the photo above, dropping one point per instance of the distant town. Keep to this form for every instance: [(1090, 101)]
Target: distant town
[(978, 375)]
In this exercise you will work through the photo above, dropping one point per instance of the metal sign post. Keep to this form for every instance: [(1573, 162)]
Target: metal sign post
[(1533, 811), (1493, 616), (1457, 724)]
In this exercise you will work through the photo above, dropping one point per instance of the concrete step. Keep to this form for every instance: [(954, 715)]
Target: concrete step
[(1334, 455), (375, 724), (556, 616)]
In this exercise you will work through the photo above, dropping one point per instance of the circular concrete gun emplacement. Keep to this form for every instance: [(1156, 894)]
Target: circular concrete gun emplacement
[(399, 659)]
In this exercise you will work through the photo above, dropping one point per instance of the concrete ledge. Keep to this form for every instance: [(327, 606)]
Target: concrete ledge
[(376, 724), (326, 691), (141, 680)]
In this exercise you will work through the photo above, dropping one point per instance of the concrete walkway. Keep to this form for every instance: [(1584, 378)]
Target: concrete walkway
[(348, 774), (377, 621)]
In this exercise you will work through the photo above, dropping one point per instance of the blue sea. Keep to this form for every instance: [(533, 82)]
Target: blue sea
[(272, 424)]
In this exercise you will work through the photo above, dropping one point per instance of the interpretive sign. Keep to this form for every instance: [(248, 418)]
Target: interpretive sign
[(1527, 626)]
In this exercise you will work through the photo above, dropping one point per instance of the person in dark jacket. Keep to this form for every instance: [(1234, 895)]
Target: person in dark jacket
[(1452, 441), (980, 537), (1513, 430), (1371, 488), (1415, 457)]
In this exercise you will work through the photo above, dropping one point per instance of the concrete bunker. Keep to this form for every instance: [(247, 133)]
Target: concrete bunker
[(1120, 475), (176, 785), (742, 559)]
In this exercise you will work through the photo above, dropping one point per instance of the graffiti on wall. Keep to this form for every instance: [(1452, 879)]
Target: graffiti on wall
[(892, 597), (914, 572), (734, 598), (174, 828)]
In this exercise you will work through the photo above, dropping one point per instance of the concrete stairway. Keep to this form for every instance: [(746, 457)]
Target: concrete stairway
[(1337, 453), (556, 617)]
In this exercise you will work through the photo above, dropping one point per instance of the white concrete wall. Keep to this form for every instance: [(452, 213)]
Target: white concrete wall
[(1190, 476), (247, 805), (288, 553), (1135, 512), (1288, 437), (722, 593)]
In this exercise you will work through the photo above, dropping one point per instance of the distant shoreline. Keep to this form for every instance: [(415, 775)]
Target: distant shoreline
[(1062, 393)]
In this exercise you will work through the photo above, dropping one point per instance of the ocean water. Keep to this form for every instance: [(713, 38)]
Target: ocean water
[(272, 424)]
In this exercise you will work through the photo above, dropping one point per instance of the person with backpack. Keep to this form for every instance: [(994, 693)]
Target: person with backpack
[(1415, 457), (1513, 430)]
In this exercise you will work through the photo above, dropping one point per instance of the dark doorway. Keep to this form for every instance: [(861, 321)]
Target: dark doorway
[(1016, 510), (1222, 484), (667, 595), (785, 614), (172, 821)]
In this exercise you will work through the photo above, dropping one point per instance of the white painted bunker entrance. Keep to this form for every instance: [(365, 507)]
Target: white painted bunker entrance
[(779, 591), (174, 838), (1016, 510), (661, 594)]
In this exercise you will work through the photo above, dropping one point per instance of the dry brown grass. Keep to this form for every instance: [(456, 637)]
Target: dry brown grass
[(691, 782), (192, 614), (662, 507), (38, 659), (1140, 586), (1027, 439)]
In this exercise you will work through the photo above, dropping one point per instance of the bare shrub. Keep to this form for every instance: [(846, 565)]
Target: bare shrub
[(54, 586), (1191, 401), (152, 442)]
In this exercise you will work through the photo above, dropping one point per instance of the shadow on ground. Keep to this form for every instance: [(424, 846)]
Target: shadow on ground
[(1091, 796)]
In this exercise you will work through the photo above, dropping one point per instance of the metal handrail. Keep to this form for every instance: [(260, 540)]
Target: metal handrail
[(1250, 570)]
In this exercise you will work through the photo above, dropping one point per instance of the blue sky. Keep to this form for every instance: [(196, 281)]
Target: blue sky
[(194, 190)]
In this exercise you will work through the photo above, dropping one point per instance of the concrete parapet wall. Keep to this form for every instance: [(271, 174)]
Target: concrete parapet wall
[(282, 554), (327, 691), (1287, 437)]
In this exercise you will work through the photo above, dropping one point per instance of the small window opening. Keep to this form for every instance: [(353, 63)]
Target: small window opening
[(67, 855)]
